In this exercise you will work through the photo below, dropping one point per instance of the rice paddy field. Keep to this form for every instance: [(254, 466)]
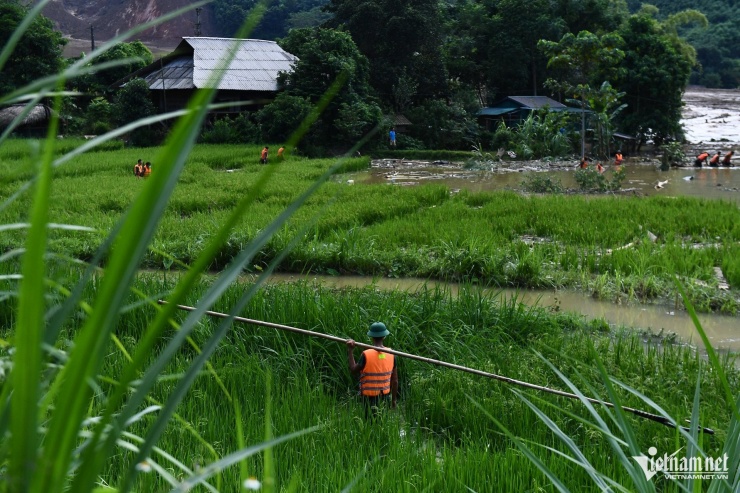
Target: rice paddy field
[(616, 248), (442, 436), (452, 431)]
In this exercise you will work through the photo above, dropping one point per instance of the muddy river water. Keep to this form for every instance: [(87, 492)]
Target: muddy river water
[(723, 331), (641, 179)]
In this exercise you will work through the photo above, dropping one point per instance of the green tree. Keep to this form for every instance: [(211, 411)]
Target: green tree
[(37, 54), (402, 40), (446, 126), (659, 69), (133, 102), (493, 45), (99, 116), (136, 55), (605, 106), (582, 63), (279, 119), (230, 14), (327, 57)]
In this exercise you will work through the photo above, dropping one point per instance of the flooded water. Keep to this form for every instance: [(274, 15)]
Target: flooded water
[(723, 331), (708, 183)]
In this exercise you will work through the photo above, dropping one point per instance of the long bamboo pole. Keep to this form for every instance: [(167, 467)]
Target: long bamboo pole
[(638, 412)]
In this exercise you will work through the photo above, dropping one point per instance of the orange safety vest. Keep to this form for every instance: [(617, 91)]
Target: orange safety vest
[(702, 156), (264, 154), (375, 378), (715, 159), (147, 171), (618, 159)]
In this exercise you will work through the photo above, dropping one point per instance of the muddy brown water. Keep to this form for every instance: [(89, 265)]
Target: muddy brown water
[(641, 179), (723, 331)]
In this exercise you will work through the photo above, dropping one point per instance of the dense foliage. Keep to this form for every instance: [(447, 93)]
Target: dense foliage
[(717, 45), (329, 64), (38, 53), (439, 63)]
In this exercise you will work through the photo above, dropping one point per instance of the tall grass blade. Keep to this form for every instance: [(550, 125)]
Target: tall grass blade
[(234, 458), (26, 377)]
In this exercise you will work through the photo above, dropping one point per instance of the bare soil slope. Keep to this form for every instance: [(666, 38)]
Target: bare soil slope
[(110, 18)]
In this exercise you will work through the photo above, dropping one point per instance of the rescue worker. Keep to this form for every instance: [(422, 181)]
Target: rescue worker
[(378, 373), (727, 160), (715, 159), (147, 169), (138, 168), (618, 158), (701, 158), (263, 155), (280, 153), (599, 168), (584, 163)]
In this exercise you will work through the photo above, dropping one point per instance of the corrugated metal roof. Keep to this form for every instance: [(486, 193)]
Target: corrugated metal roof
[(537, 102), (254, 67), (175, 74), (495, 111), (401, 120)]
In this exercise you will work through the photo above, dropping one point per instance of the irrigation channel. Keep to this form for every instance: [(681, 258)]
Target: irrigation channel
[(723, 330)]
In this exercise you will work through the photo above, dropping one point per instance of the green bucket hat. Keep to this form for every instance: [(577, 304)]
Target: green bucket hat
[(378, 329)]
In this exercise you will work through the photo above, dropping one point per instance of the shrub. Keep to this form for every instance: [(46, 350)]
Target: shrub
[(541, 183), (591, 180)]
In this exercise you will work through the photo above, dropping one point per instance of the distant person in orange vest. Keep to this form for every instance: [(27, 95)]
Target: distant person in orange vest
[(263, 155), (280, 153), (139, 169), (599, 168), (147, 169), (618, 158), (584, 163), (378, 372), (701, 159), (727, 160), (715, 159)]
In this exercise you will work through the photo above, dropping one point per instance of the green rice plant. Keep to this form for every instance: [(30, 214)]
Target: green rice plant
[(611, 424), (58, 428)]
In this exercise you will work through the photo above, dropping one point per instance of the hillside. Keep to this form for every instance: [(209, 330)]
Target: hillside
[(109, 18)]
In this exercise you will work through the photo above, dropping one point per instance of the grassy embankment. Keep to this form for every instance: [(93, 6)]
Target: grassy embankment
[(499, 239), (448, 443)]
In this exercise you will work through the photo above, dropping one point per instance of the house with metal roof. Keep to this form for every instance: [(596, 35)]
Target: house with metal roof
[(513, 110), (248, 71)]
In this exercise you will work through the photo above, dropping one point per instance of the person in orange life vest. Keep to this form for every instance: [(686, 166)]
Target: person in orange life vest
[(618, 158), (701, 158), (138, 168), (147, 169), (280, 153), (378, 373), (584, 163), (715, 159), (263, 155), (599, 168), (726, 161)]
